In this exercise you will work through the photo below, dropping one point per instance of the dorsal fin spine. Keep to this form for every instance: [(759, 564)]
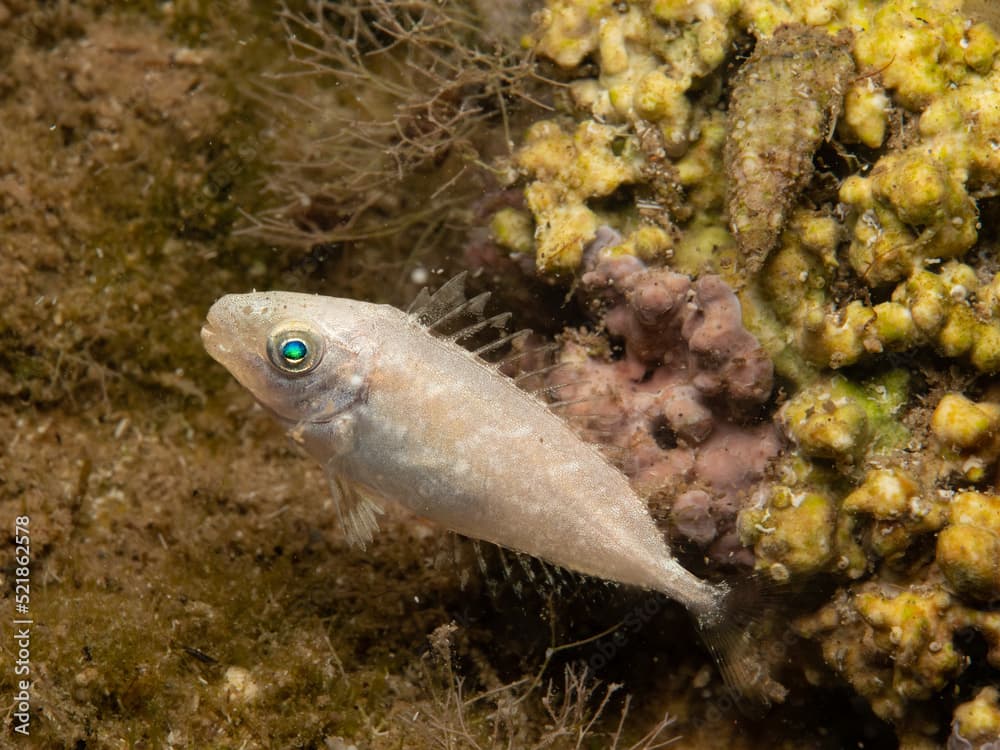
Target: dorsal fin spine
[(496, 321), (540, 371), (430, 308), (502, 341), (419, 302), (475, 306)]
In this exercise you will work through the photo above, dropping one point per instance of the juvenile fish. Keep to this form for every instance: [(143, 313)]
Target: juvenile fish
[(396, 413)]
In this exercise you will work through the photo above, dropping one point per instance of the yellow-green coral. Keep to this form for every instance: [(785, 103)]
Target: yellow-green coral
[(949, 310), (909, 210), (968, 551), (839, 419), (900, 511), (513, 229), (896, 646), (877, 268), (646, 62), (967, 435), (569, 169), (653, 58), (793, 534), (913, 627), (978, 721), (960, 423), (864, 118), (916, 64)]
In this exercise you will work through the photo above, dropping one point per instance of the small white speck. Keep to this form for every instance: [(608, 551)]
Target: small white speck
[(419, 275)]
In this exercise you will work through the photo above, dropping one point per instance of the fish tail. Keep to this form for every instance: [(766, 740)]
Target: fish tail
[(729, 628)]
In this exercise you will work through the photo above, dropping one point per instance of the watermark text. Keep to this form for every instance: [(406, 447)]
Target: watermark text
[(22, 623)]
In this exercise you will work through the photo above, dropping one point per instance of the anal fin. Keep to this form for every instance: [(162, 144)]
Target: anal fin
[(357, 508)]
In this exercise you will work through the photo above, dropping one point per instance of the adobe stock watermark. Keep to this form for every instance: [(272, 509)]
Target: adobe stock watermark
[(22, 623)]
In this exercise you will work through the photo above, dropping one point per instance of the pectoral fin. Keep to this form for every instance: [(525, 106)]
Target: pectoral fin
[(357, 508)]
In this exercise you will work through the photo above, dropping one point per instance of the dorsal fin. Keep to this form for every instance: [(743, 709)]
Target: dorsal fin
[(473, 307), (429, 308), (449, 314), (498, 321)]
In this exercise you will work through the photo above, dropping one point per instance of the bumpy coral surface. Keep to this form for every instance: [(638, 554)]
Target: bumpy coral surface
[(977, 723), (895, 646), (679, 403), (835, 163)]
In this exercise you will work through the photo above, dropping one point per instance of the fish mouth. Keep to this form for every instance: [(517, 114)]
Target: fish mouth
[(208, 334), (214, 342)]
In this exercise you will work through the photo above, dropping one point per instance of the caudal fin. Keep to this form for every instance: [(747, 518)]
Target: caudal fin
[(731, 633)]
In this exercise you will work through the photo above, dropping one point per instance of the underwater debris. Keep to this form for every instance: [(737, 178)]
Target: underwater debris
[(784, 102)]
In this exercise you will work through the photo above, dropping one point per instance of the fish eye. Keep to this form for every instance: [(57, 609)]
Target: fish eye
[(294, 350)]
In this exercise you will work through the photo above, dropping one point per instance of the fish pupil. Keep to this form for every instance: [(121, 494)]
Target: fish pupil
[(294, 350)]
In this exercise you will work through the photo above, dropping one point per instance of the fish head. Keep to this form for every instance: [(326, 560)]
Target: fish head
[(303, 357)]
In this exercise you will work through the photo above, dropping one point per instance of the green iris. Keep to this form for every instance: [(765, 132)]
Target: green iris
[(294, 350)]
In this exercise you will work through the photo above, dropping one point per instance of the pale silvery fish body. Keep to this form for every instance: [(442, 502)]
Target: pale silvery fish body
[(396, 413)]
